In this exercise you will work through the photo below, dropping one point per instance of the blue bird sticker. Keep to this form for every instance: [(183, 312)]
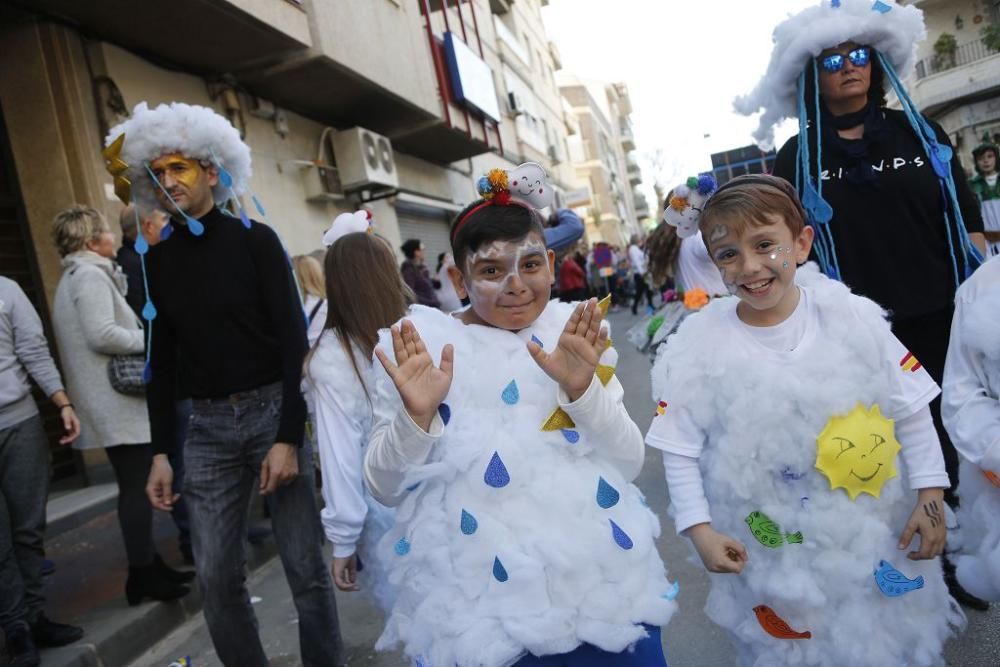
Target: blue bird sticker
[(607, 495), (894, 583), (511, 395), (496, 473)]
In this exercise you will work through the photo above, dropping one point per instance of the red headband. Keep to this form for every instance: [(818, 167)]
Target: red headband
[(496, 201)]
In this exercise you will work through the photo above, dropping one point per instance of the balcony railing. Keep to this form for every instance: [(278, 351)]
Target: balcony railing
[(964, 54)]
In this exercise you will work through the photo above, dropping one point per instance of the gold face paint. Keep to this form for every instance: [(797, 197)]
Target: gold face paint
[(176, 169)]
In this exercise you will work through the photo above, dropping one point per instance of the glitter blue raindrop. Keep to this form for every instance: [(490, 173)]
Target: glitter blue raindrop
[(149, 311), (672, 592), (499, 573), (496, 473), (224, 176), (511, 395), (166, 231), (141, 246), (244, 218), (572, 437), (607, 495), (402, 547), (621, 537), (469, 524), (194, 225), (445, 411), (881, 7)]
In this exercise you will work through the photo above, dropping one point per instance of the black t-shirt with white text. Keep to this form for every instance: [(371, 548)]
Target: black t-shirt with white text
[(891, 239)]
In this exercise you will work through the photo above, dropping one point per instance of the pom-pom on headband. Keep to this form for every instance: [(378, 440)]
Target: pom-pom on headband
[(685, 206), (526, 185), (348, 223)]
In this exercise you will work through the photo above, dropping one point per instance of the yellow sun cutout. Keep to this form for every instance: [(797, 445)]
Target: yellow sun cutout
[(857, 452)]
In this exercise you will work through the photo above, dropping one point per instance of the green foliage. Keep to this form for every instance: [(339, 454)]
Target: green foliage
[(991, 36)]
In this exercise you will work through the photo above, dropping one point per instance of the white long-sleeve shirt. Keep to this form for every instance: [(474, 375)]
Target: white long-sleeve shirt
[(343, 417), (970, 406)]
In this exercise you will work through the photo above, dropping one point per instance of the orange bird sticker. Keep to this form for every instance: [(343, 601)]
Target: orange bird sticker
[(910, 363), (775, 626)]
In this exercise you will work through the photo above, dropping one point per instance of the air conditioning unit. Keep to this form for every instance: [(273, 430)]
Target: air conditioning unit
[(364, 159), (514, 104), (321, 183)]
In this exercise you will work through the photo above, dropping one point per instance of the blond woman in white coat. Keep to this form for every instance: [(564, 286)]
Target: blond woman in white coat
[(92, 322)]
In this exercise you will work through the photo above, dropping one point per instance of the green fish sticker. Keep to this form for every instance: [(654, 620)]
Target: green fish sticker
[(769, 533)]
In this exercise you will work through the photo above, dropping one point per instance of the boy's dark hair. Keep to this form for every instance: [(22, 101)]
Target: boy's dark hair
[(490, 223), (411, 247)]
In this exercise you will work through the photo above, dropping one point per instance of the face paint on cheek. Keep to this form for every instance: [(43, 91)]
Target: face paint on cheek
[(783, 252)]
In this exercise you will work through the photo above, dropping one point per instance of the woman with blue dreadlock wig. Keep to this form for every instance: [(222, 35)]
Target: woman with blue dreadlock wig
[(892, 212)]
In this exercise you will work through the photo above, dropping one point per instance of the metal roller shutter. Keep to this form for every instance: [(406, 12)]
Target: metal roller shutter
[(431, 230)]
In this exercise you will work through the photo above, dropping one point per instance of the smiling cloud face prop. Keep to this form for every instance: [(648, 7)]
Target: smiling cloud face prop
[(857, 452), (686, 203), (527, 183)]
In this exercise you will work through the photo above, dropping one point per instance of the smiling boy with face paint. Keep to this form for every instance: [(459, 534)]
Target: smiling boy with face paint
[(501, 435), (781, 412)]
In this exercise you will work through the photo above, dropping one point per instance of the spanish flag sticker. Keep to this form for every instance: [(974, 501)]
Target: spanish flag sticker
[(910, 363), (661, 407)]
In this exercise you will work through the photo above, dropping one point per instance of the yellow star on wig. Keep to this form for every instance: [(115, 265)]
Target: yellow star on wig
[(117, 168)]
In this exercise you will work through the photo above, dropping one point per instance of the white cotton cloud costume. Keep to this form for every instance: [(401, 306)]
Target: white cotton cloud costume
[(568, 581), (894, 33), (195, 132), (759, 423), (971, 417)]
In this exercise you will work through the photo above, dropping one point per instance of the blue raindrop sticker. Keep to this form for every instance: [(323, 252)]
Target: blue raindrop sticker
[(244, 218), (881, 7), (672, 592), (402, 547), (166, 231), (141, 246), (496, 473), (572, 437), (537, 341), (149, 311), (607, 495), (224, 176), (195, 225), (469, 523), (499, 573), (258, 205), (835, 4), (511, 395), (147, 373), (621, 538), (445, 411)]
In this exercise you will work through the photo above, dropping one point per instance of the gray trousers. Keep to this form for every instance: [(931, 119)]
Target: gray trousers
[(226, 444), (24, 488)]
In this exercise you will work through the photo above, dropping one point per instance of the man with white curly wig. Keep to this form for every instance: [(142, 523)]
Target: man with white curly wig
[(224, 316)]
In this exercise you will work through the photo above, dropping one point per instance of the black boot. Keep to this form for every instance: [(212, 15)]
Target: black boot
[(146, 582), (21, 651), (170, 574), (962, 596), (49, 633)]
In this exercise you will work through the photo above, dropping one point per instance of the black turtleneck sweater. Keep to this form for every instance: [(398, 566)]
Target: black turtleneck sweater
[(228, 310)]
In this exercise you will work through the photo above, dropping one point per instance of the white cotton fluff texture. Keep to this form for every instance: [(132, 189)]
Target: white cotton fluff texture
[(196, 132), (760, 418), (895, 34), (569, 582), (978, 567)]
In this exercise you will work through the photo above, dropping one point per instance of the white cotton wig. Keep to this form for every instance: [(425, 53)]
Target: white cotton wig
[(195, 132), (892, 29)]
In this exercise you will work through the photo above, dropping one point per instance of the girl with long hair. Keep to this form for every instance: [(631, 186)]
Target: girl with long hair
[(366, 293)]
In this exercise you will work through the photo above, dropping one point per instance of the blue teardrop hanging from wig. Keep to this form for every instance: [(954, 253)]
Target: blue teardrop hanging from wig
[(141, 246), (149, 311), (224, 176), (166, 231), (258, 205), (147, 373)]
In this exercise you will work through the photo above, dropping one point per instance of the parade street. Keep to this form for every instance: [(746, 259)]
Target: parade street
[(689, 640)]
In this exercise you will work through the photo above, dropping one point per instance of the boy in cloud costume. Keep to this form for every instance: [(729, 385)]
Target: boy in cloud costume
[(501, 438), (800, 454), (970, 407)]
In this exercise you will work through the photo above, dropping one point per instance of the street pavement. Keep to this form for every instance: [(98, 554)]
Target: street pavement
[(689, 640)]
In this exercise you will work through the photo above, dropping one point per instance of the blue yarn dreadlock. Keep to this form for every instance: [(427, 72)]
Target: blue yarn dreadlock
[(819, 211)]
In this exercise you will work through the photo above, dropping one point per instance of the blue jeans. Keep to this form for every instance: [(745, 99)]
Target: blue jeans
[(647, 652), (227, 441), (24, 488)]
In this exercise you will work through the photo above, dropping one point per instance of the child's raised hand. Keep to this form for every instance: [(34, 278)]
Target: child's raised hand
[(720, 553), (928, 520), (420, 383), (573, 362)]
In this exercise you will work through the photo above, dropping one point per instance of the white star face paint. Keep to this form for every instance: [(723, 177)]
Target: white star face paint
[(509, 282)]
